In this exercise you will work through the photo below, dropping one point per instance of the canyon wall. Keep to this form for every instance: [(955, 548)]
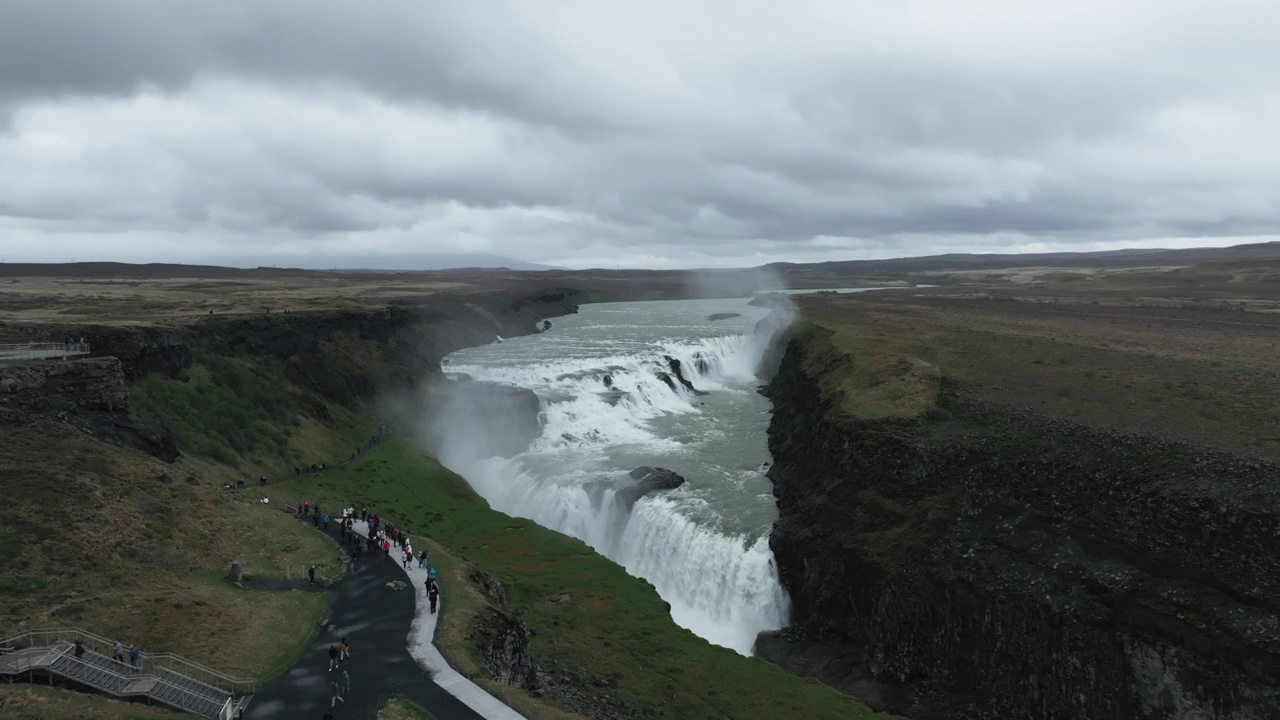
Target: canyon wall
[(996, 563)]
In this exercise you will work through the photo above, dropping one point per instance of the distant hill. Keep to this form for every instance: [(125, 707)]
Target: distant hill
[(966, 261), (409, 264), (493, 268)]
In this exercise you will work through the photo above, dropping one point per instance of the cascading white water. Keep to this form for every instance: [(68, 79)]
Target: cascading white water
[(607, 409)]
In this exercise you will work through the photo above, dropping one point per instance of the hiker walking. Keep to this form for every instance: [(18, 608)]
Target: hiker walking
[(408, 555), (117, 652), (311, 574), (433, 594), (134, 652), (79, 648), (422, 560), (431, 572), (344, 650), (333, 657), (386, 548), (325, 520), (337, 695), (344, 685)]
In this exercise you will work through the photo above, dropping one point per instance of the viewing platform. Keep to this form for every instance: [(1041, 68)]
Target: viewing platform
[(24, 352)]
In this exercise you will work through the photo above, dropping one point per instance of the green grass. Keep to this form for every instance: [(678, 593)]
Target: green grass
[(615, 632), (227, 409), (401, 708)]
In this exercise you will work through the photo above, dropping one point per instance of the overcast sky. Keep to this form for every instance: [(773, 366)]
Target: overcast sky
[(646, 134)]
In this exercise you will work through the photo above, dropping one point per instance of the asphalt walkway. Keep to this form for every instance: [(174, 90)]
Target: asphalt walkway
[(426, 653), (376, 622)]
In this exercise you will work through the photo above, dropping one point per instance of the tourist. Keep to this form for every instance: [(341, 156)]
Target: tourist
[(433, 594), (311, 574), (344, 686), (79, 648), (333, 657), (117, 652), (328, 714), (134, 652), (324, 519), (422, 560), (431, 571), (344, 651), (337, 695)]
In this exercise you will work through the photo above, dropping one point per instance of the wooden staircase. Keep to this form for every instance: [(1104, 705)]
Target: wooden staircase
[(162, 678)]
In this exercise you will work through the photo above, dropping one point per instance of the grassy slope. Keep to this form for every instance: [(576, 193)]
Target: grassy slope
[(125, 546), (615, 630)]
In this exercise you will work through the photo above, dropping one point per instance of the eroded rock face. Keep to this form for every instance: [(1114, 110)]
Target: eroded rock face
[(1028, 567), (503, 642), (678, 372), (87, 393)]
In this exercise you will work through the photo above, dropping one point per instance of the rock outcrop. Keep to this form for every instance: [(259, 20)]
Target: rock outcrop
[(678, 372), (87, 393), (503, 641), (648, 480), (1002, 564)]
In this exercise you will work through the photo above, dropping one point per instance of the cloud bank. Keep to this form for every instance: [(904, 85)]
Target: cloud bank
[(586, 134)]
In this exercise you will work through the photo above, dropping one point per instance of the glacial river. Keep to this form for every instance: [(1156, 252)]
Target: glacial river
[(704, 546)]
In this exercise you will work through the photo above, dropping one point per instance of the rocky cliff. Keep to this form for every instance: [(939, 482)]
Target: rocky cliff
[(89, 394), (417, 335), (345, 356), (1001, 564)]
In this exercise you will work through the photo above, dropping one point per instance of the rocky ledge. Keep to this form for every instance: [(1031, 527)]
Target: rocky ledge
[(88, 393)]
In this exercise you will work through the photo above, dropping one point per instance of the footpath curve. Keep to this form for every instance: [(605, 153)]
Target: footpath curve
[(425, 652), (391, 654)]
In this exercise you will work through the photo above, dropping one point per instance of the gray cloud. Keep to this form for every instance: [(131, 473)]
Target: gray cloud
[(654, 134)]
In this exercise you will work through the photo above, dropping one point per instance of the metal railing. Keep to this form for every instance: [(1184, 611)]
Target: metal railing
[(125, 678), (148, 663), (42, 351)]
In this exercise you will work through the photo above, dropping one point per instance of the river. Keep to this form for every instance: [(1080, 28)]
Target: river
[(705, 545)]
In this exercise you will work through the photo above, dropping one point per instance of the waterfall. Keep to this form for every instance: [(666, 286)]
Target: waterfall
[(603, 413)]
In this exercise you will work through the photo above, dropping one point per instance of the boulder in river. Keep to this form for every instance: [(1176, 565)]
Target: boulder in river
[(649, 480)]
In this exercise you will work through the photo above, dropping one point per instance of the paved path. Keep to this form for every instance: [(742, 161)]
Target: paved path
[(427, 655), (376, 622)]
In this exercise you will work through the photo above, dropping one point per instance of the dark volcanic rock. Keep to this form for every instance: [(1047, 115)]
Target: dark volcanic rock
[(649, 480), (676, 370), (503, 642), (1020, 566), (89, 394)]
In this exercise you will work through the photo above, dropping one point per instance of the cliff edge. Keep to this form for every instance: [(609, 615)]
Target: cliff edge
[(956, 554)]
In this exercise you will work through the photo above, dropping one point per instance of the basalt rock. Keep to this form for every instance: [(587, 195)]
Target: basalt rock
[(676, 370), (87, 393), (648, 480), (1019, 566), (503, 641)]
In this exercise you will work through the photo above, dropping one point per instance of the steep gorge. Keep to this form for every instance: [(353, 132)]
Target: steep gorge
[(999, 563)]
